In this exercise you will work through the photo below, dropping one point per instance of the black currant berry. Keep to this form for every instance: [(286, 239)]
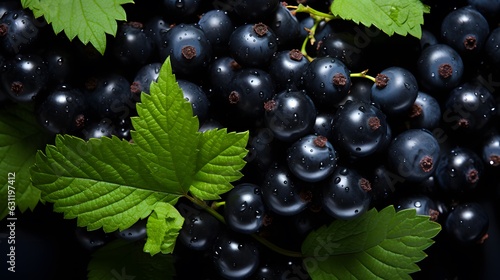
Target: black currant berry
[(195, 95), (282, 192), (131, 45), (346, 194), (465, 29), (468, 108), (19, 31), (143, 78), (189, 50), (244, 209), (218, 27), (422, 204), (327, 81), (24, 76), (440, 68), (394, 90), (359, 128), (134, 233), (286, 68), (199, 231), (253, 45), (425, 112), (290, 115), (312, 158), (459, 171), (109, 97), (413, 154), (249, 89), (235, 256), (468, 223), (63, 110)]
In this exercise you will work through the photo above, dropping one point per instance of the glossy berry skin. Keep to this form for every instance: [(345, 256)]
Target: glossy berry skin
[(290, 115), (63, 110), (221, 72), (131, 45), (346, 194), (24, 76), (327, 81), (282, 193), (489, 8), (286, 68), (98, 129), (465, 29), (286, 26), (154, 28), (343, 47), (491, 150), (425, 112), (467, 223), (249, 89), (255, 10), (323, 125), (19, 31), (143, 78), (134, 233), (468, 108), (492, 47), (439, 68), (395, 90), (110, 97), (413, 154), (218, 27), (312, 158), (253, 45), (195, 95), (61, 64), (199, 231), (235, 256), (189, 50), (359, 129), (423, 205), (244, 209), (459, 171)]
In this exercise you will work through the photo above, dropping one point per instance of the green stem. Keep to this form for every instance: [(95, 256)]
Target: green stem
[(362, 75), (263, 241), (306, 9)]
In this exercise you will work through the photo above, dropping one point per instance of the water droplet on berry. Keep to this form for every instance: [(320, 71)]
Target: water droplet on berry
[(243, 206)]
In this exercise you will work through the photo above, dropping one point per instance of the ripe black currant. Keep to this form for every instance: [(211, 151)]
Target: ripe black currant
[(346, 194), (327, 81), (413, 154), (312, 158), (290, 115), (62, 110), (244, 210), (253, 45)]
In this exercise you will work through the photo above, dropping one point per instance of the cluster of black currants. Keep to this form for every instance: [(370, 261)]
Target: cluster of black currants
[(326, 142)]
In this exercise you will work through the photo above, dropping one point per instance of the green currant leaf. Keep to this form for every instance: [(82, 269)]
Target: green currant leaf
[(219, 162), (20, 138), (168, 132), (120, 259), (101, 182), (112, 183), (376, 245), (163, 227), (393, 16), (90, 20)]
